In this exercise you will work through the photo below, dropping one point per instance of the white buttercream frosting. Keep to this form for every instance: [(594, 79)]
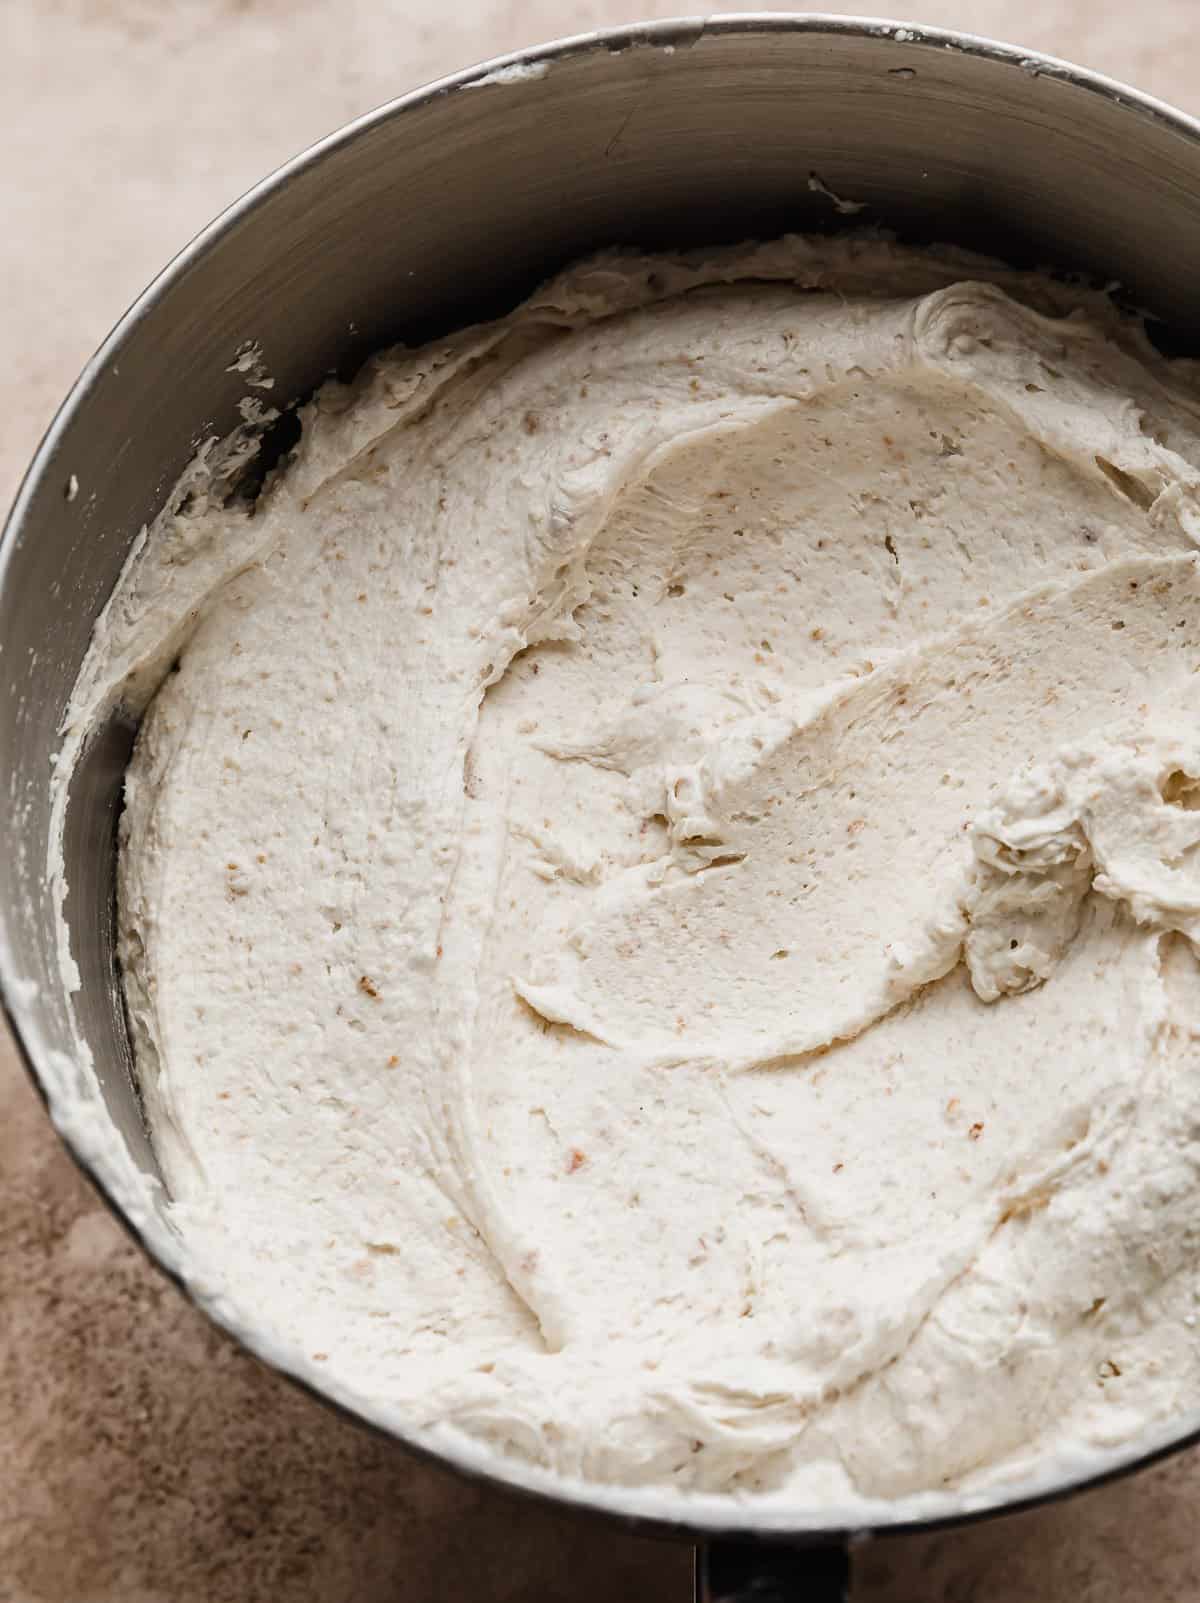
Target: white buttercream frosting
[(658, 900)]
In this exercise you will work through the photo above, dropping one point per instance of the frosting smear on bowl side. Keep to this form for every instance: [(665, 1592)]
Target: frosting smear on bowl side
[(658, 898)]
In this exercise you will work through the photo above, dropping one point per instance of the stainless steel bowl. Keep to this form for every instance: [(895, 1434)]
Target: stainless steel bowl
[(445, 206)]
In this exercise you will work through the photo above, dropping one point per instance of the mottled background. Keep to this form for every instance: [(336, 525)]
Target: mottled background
[(143, 1458)]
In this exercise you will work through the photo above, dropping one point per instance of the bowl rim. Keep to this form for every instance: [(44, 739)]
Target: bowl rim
[(625, 1505)]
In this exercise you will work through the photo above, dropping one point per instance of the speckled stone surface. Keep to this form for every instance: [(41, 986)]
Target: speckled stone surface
[(144, 1458)]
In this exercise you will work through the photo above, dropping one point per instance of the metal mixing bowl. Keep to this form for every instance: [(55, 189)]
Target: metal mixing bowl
[(445, 206)]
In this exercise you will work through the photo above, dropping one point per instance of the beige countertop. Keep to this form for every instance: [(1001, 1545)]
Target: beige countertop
[(145, 1458)]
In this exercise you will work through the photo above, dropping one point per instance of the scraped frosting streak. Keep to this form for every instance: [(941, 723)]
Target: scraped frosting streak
[(658, 902)]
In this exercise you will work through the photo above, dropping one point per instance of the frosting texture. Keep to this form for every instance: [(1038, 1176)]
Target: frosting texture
[(659, 876)]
